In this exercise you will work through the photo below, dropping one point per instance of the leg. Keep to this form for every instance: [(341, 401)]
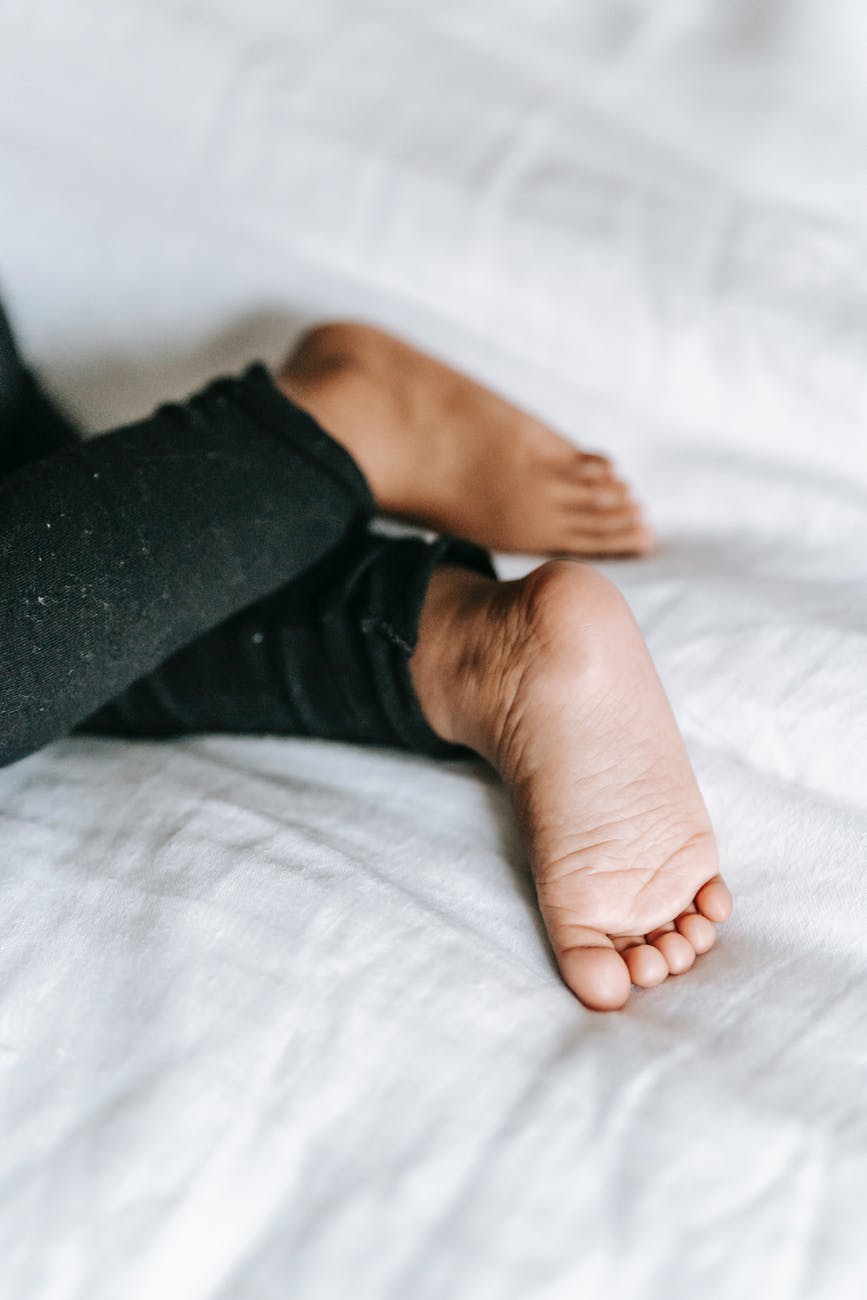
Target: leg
[(31, 425), (550, 680), (387, 641), (326, 655), (435, 446), (115, 553), (248, 673)]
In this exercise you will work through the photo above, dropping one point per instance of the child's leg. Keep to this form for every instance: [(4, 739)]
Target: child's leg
[(325, 654), (117, 552), (31, 425), (548, 678)]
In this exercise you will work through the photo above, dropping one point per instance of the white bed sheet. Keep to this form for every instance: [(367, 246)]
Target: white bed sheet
[(277, 1018)]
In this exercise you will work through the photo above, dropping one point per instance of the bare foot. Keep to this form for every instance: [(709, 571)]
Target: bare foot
[(443, 451), (550, 680)]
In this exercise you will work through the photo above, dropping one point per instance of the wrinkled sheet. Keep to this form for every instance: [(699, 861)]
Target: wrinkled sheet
[(278, 1018)]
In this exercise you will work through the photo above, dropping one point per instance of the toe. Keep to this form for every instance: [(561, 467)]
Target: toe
[(697, 930), (632, 541), (596, 973), (646, 965), (597, 517), (588, 496), (714, 901), (626, 519), (593, 466), (677, 951)]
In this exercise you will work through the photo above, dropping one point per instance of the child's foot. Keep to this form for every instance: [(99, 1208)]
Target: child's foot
[(442, 450), (549, 678)]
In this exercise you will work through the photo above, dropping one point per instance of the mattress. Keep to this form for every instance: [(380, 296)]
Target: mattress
[(278, 1018)]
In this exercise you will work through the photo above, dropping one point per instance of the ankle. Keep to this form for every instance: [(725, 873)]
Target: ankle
[(451, 664), (329, 376), (313, 373)]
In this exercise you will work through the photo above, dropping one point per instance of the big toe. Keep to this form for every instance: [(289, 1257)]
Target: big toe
[(592, 465), (597, 975)]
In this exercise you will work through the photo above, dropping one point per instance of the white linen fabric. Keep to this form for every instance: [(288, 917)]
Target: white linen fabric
[(278, 1018)]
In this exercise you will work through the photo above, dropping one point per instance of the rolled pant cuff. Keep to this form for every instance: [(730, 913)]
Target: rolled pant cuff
[(325, 656), (370, 625)]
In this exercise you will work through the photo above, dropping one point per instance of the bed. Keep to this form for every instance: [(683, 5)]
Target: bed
[(277, 1018)]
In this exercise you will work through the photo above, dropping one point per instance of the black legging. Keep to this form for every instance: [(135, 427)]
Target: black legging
[(208, 569)]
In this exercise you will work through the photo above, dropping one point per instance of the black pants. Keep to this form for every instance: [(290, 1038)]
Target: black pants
[(207, 569)]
